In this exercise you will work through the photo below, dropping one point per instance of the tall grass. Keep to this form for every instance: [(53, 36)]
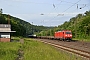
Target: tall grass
[(34, 50), (8, 50)]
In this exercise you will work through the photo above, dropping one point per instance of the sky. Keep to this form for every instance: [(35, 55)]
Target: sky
[(45, 12)]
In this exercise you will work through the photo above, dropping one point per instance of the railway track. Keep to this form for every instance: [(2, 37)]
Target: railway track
[(81, 53)]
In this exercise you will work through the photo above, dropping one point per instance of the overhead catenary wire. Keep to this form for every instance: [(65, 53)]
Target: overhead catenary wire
[(66, 10), (54, 5), (70, 7), (67, 2), (88, 7)]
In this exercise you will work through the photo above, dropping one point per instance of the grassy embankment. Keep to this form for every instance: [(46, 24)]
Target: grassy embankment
[(8, 50), (33, 50)]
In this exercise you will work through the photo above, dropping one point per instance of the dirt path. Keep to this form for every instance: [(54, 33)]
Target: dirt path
[(20, 51)]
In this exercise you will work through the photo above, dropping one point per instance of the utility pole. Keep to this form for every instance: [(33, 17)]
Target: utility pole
[(76, 24), (8, 19), (32, 28)]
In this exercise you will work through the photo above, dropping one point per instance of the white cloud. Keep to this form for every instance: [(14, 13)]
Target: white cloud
[(47, 19)]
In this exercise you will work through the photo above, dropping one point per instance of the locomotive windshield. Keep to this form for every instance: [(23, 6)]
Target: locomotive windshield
[(68, 32)]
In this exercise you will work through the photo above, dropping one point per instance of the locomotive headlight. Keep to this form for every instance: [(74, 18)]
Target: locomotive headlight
[(70, 35)]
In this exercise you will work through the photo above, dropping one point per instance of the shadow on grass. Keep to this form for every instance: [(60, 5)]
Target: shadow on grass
[(13, 40)]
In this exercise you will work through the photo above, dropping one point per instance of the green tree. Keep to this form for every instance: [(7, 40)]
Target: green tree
[(1, 11)]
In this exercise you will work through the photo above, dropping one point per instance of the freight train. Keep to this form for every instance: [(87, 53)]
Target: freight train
[(65, 35)]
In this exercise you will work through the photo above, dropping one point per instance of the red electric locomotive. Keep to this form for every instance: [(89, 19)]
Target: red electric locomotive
[(63, 35)]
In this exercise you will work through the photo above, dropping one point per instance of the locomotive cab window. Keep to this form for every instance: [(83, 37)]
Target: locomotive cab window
[(68, 32)]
